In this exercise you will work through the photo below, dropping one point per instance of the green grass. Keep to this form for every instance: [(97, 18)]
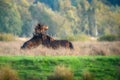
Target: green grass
[(38, 68)]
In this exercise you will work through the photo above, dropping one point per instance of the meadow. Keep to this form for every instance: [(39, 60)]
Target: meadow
[(82, 67), (90, 60), (80, 48)]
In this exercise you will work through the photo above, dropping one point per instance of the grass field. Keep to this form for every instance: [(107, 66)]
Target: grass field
[(88, 61), (80, 49), (39, 68)]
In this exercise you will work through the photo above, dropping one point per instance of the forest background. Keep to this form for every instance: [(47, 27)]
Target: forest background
[(64, 17)]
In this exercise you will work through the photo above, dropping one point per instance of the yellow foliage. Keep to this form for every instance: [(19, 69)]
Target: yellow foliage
[(7, 73), (7, 37), (62, 73)]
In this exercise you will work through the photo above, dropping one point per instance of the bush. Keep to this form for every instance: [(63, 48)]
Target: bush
[(87, 76), (108, 38), (61, 73), (118, 73), (77, 37), (7, 37), (6, 73)]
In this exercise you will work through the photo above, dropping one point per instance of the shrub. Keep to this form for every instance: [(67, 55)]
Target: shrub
[(7, 73), (118, 73), (77, 37), (61, 73), (7, 37), (108, 38), (87, 76)]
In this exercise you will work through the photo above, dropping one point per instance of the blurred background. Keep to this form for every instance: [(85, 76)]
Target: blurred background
[(65, 18)]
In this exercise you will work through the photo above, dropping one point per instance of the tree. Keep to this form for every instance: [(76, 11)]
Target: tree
[(52, 4), (10, 20), (27, 28), (92, 18), (39, 13)]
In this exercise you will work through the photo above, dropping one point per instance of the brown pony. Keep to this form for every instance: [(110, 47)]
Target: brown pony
[(35, 41), (51, 43)]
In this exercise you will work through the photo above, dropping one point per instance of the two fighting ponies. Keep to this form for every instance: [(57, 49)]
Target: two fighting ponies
[(40, 37)]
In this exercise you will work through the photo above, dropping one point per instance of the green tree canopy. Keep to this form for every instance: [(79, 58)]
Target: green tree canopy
[(10, 19)]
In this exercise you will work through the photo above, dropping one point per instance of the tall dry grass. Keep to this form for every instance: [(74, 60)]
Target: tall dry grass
[(61, 73), (7, 37), (80, 48), (86, 75), (7, 73)]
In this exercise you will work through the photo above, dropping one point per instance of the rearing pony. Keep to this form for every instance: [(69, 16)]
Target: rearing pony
[(35, 40)]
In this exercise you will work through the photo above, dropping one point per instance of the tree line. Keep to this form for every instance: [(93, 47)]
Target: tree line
[(64, 17)]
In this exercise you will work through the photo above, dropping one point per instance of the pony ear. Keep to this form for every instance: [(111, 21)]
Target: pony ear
[(39, 24), (36, 27)]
